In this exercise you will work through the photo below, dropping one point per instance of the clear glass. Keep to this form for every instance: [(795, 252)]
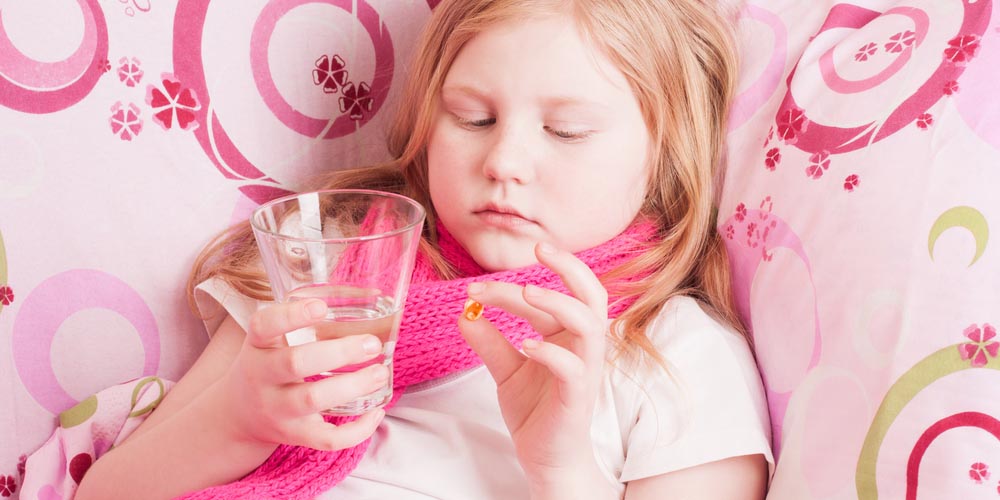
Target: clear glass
[(355, 250)]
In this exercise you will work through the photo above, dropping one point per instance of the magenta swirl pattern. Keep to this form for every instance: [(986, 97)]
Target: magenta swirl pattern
[(358, 101), (857, 207), (35, 86)]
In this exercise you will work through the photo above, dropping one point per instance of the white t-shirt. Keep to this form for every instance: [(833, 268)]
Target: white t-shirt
[(446, 439)]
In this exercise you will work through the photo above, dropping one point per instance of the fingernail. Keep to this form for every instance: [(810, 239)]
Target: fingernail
[(371, 345), (532, 291), (379, 413), (475, 288), (529, 344), (316, 309), (546, 248)]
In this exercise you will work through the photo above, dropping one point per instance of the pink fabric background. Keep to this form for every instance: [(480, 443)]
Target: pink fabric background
[(863, 178)]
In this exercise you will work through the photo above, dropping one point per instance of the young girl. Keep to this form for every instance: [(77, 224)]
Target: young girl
[(565, 153)]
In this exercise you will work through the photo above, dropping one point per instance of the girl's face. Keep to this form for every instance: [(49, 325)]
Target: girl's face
[(538, 137)]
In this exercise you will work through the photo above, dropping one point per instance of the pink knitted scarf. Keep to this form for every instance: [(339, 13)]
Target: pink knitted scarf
[(430, 346)]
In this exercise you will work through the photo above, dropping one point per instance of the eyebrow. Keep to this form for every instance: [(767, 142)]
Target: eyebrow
[(554, 101), (565, 101), (465, 89)]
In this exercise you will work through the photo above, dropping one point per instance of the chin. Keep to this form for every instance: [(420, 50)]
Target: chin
[(492, 260)]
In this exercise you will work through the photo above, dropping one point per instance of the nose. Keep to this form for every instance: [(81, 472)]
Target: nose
[(509, 155)]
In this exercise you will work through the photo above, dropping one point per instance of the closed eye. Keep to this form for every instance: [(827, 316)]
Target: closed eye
[(569, 136), (474, 124)]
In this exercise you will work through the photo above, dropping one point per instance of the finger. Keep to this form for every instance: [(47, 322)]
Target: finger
[(323, 436), (568, 369), (268, 325), (573, 316), (579, 279), (510, 298), (313, 397), (292, 364), (500, 358)]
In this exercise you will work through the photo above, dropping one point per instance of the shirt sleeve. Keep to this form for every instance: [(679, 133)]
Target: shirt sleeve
[(216, 299), (708, 404)]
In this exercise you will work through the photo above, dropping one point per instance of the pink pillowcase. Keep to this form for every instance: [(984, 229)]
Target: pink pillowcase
[(856, 208), (861, 183)]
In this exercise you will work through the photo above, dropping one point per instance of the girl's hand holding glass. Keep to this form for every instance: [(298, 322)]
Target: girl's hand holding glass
[(547, 393), (609, 99), (265, 394)]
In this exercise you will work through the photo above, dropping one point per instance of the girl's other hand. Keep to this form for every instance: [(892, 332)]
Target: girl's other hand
[(243, 397), (547, 394), (264, 394)]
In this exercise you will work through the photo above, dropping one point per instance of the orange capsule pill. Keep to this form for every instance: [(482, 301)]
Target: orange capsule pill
[(472, 310)]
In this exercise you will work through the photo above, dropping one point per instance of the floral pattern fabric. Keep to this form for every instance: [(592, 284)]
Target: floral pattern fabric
[(856, 208)]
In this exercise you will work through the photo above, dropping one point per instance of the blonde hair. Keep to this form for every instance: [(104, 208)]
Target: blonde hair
[(679, 59)]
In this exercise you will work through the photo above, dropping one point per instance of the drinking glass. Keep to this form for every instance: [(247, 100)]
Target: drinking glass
[(354, 249)]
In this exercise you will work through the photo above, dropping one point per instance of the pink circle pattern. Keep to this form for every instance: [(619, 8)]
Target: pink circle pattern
[(757, 93), (189, 25), (52, 302), (815, 137), (296, 120), (40, 87), (975, 98), (904, 47), (750, 237)]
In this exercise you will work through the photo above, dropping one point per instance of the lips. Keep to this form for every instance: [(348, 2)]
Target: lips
[(500, 215), (500, 209)]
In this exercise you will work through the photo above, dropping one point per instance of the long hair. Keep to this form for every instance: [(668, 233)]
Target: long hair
[(679, 59)]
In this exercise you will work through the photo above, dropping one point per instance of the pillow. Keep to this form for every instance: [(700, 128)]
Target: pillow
[(860, 185), (133, 132), (862, 180)]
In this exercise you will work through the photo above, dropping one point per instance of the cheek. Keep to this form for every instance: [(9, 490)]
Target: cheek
[(442, 174), (634, 173), (448, 152), (437, 184), (434, 146), (607, 193), (619, 171), (437, 159)]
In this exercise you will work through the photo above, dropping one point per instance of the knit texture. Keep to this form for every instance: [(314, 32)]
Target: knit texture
[(429, 347)]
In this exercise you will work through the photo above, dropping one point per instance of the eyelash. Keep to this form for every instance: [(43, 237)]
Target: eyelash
[(568, 136), (476, 123), (561, 134)]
